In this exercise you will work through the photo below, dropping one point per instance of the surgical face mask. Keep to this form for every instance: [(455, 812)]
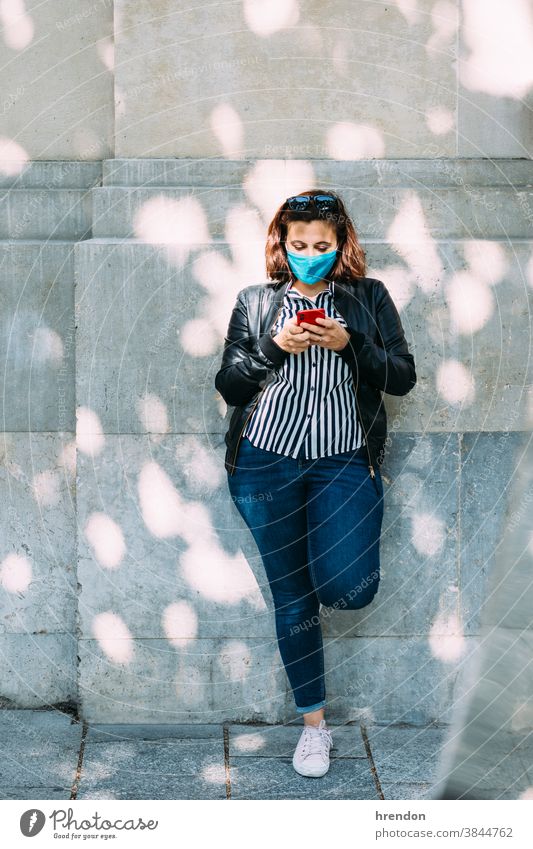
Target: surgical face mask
[(311, 269)]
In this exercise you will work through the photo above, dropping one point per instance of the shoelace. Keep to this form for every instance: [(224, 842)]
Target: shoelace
[(314, 742)]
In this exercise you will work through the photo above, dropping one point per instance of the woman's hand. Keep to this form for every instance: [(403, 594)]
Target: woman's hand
[(328, 334), (293, 337)]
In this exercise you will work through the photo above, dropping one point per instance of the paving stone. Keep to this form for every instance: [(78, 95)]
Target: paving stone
[(39, 753), (406, 754), (18, 791), (275, 778), (113, 732), (405, 790), (280, 741), (154, 769)]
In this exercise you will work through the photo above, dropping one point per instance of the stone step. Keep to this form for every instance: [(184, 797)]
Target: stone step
[(45, 213), (363, 173), (50, 174), (204, 213)]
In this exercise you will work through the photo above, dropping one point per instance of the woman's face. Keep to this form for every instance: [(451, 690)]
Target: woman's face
[(310, 237)]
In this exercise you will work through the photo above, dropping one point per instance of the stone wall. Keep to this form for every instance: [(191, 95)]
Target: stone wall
[(135, 198)]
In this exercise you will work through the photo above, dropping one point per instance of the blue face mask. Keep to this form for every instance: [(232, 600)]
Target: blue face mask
[(311, 269)]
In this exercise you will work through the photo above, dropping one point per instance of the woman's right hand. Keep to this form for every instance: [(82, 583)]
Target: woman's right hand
[(292, 337)]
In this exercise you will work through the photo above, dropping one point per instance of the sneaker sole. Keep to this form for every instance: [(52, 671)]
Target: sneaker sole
[(311, 774)]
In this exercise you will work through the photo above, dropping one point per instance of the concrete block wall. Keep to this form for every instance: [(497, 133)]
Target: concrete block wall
[(144, 148), (130, 584)]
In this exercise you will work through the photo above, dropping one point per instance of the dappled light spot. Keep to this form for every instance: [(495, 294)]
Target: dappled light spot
[(46, 488), (180, 623), (455, 383), (13, 157), (200, 465), (218, 576), (47, 346), (235, 660), (406, 489), (409, 9), (522, 716), (265, 19), (17, 25), (227, 127), (470, 302), (440, 120), (529, 271), (106, 539), (66, 457), (214, 773), (498, 42), (244, 232), (265, 184), (114, 637), (249, 742), (15, 573), (400, 283), (198, 338), (446, 638), (421, 457), (106, 52), (177, 224), (152, 413), (445, 22), (427, 533), (216, 273), (89, 434), (162, 507), (526, 794), (486, 260), (410, 236), (345, 140)]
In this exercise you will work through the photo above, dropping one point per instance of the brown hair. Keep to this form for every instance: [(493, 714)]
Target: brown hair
[(351, 261)]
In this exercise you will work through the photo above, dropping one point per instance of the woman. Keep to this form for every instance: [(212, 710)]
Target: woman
[(307, 435)]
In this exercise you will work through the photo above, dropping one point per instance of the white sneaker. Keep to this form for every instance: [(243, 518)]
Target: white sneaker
[(311, 757)]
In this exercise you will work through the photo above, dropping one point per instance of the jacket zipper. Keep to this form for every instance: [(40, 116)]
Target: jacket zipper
[(370, 466), (253, 408)]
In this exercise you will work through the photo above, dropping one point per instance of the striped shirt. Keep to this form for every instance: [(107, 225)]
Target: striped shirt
[(311, 399)]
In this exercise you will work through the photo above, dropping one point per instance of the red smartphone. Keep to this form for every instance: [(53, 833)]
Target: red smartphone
[(310, 315)]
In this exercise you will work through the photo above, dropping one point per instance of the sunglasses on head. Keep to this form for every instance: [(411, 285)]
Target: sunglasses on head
[(320, 202)]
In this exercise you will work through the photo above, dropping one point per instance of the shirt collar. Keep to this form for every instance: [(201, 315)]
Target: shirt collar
[(292, 291)]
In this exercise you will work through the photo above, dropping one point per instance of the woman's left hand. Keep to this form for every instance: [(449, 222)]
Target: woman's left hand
[(328, 334)]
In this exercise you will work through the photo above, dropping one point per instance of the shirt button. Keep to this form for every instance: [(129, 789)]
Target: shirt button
[(312, 387)]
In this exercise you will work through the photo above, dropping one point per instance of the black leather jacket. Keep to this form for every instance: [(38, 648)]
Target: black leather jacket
[(377, 354)]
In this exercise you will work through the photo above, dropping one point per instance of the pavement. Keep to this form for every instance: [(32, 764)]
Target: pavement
[(47, 754), (50, 754)]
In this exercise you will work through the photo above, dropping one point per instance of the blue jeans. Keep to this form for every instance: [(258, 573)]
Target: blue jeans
[(317, 525)]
